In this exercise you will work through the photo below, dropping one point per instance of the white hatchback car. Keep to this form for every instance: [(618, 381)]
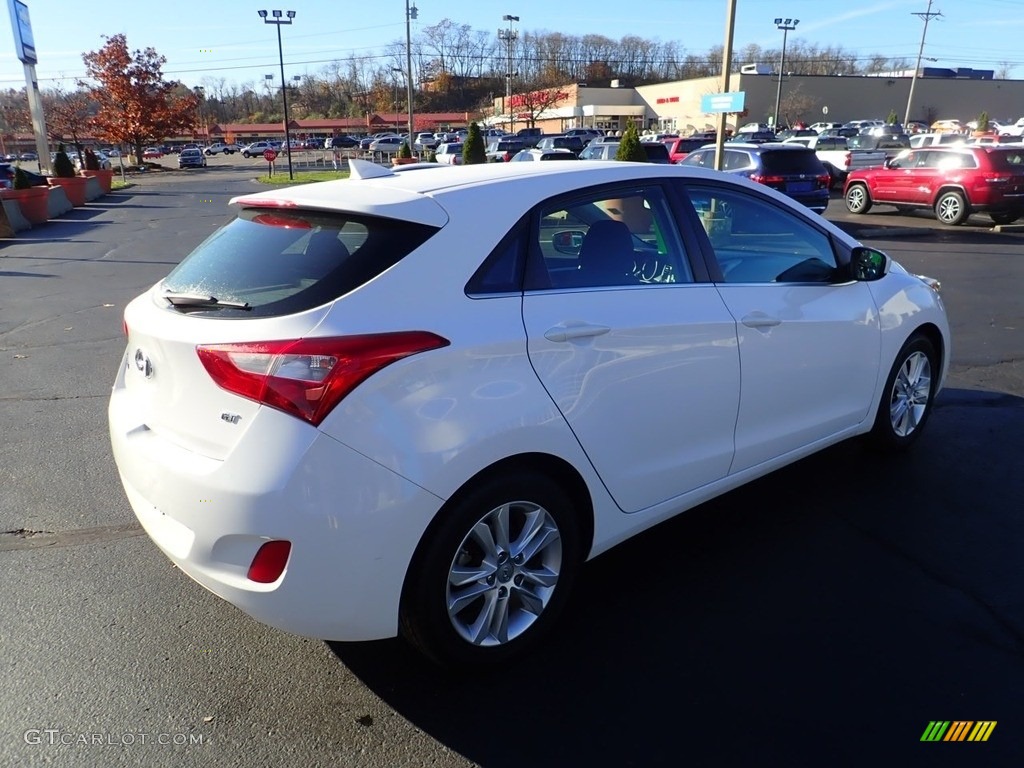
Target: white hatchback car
[(374, 406)]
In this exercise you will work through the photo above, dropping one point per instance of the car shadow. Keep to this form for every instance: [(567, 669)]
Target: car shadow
[(822, 615)]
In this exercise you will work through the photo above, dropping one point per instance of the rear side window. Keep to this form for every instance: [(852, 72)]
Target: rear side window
[(783, 163), (282, 262), (1013, 159)]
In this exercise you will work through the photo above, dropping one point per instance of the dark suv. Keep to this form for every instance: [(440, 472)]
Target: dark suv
[(952, 181), (502, 150), (792, 169)]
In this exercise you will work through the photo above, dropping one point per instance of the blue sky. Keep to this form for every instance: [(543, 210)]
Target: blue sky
[(228, 40)]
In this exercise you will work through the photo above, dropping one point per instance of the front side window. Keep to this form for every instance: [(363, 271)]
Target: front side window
[(608, 239), (755, 241)]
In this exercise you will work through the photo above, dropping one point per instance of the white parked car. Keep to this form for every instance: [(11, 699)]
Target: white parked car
[(257, 148), (375, 407), (1014, 129), (388, 144), (221, 148), (449, 153)]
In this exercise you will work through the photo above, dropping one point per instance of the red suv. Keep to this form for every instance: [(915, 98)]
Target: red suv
[(678, 148), (953, 181)]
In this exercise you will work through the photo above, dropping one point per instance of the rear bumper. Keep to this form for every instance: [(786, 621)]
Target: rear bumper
[(353, 524)]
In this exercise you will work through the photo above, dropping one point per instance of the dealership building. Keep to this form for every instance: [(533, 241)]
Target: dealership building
[(676, 106)]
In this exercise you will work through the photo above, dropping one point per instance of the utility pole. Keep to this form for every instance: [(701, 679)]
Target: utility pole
[(509, 37), (925, 17), (410, 14), (730, 26)]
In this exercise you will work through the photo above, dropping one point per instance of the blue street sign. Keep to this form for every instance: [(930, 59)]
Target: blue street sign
[(722, 102)]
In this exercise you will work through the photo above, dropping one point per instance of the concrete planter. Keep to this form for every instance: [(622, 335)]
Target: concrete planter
[(31, 201), (74, 186), (105, 176)]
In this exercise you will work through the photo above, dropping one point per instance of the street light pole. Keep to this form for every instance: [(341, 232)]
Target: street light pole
[(509, 37), (278, 18), (786, 25), (410, 14)]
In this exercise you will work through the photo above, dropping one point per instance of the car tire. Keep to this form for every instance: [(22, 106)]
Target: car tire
[(858, 200), (908, 395), (246, 155), (493, 572), (1004, 218), (951, 209)]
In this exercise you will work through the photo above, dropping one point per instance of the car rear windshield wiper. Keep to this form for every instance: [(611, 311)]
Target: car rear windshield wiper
[(212, 302)]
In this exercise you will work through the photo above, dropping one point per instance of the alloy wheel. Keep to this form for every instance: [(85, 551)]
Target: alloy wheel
[(910, 394), (504, 574)]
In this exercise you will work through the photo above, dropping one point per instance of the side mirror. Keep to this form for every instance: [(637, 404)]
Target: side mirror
[(867, 264), (568, 242)]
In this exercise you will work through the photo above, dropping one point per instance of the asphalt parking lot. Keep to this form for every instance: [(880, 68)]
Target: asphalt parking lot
[(823, 615)]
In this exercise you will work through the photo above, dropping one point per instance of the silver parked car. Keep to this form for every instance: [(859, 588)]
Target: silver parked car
[(191, 158)]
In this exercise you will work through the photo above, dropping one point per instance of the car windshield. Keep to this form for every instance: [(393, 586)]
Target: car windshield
[(786, 162)]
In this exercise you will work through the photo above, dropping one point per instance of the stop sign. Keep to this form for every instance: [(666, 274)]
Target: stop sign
[(269, 155)]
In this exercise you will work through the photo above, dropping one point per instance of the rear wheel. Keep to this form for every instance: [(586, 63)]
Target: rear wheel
[(907, 398), (857, 199), (491, 578), (1004, 218), (951, 208)]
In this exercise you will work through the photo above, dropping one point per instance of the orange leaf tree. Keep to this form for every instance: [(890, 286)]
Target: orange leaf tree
[(136, 106)]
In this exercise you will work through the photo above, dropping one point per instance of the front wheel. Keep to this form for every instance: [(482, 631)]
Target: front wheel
[(951, 209), (492, 575), (246, 155), (908, 395), (857, 199)]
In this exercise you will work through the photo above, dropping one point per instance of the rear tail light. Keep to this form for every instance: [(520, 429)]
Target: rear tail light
[(269, 562), (768, 180), (824, 181), (848, 159), (308, 377)]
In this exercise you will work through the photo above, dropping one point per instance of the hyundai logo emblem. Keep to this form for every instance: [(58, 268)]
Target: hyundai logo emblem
[(143, 364)]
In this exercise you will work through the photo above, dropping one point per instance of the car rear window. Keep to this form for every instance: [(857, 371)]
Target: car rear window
[(656, 152), (282, 262), (791, 161)]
